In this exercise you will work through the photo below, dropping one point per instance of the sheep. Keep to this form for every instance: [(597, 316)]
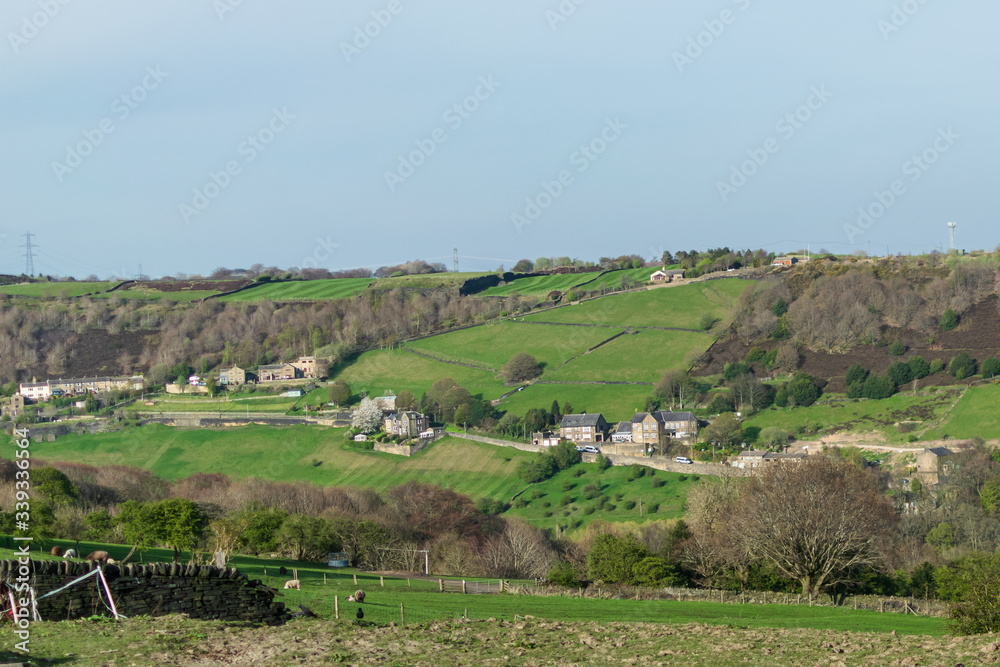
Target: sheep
[(98, 556), (293, 583), (56, 551), (359, 597), (69, 553)]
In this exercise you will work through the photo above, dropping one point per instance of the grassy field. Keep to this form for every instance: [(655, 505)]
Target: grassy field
[(236, 404), (426, 281), (836, 413), (50, 290), (975, 415), (616, 402), (540, 285), (640, 357), (384, 370), (493, 344), (157, 295), (292, 454), (545, 506), (302, 290), (679, 307)]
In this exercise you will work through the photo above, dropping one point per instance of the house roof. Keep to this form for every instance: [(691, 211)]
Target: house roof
[(640, 417), (939, 451), (272, 367), (575, 421), (752, 454), (658, 273), (624, 427), (675, 416)]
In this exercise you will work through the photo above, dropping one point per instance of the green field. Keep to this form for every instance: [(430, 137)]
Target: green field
[(426, 281), (157, 295), (289, 455), (493, 344), (234, 404), (302, 290), (50, 290), (613, 279), (547, 498), (640, 357), (975, 415), (836, 413), (615, 402), (676, 307), (383, 371), (540, 285)]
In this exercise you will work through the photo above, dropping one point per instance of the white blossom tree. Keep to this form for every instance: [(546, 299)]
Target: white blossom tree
[(368, 417)]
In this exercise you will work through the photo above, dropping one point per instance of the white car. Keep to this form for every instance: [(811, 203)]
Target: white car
[(590, 449), (683, 459)]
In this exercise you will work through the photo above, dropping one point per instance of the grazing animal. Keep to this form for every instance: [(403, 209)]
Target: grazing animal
[(350, 598), (98, 556), (359, 596), (282, 570), (293, 583), (56, 551), (69, 553), (360, 614)]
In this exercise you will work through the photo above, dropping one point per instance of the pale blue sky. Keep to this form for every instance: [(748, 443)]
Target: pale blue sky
[(318, 194)]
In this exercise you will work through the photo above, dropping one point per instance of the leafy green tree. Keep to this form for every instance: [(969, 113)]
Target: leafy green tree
[(991, 368), (523, 266), (613, 559), (962, 366), (555, 412), (900, 373), (177, 523), (731, 371), (262, 526), (878, 387), (725, 430), (405, 400), (54, 485), (99, 524), (211, 386), (941, 536), (918, 367), (855, 373), (520, 368), (603, 462), (773, 437), (802, 390), (566, 575), (301, 535), (949, 320), (922, 581), (897, 348), (462, 413), (654, 572), (339, 392), (936, 366), (779, 308), (979, 611)]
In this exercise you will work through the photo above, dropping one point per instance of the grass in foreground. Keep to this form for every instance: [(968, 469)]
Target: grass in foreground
[(677, 641)]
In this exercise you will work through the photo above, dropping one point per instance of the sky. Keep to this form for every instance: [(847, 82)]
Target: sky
[(191, 134)]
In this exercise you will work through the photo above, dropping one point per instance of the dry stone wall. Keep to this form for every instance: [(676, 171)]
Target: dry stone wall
[(200, 591)]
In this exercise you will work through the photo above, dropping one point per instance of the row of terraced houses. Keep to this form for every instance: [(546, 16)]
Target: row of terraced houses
[(645, 430)]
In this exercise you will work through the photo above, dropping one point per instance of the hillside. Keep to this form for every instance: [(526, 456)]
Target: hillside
[(602, 355)]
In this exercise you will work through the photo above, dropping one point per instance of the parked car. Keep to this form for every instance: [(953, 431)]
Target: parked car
[(683, 459), (590, 449), (579, 448)]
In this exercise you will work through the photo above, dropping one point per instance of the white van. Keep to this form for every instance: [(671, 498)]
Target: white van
[(683, 459)]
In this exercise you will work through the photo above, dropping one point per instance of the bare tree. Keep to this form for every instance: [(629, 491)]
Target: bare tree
[(816, 521)]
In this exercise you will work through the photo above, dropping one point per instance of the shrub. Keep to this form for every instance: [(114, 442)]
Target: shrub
[(877, 387), (802, 389), (949, 320), (962, 366), (936, 366), (565, 500), (682, 478), (591, 491), (657, 482), (520, 503), (897, 349), (579, 472), (900, 373), (546, 504), (588, 510), (695, 478), (568, 485), (630, 505), (855, 373), (720, 403), (603, 463), (755, 354), (991, 368), (918, 367), (773, 437), (536, 494), (564, 574), (733, 371)]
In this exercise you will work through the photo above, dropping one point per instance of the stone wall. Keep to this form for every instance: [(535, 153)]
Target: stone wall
[(200, 591), (402, 450)]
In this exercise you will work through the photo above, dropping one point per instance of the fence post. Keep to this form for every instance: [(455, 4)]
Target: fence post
[(441, 585), (408, 583), (336, 606), (464, 589), (265, 569), (295, 573), (324, 578), (355, 579), (402, 615), (381, 581)]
